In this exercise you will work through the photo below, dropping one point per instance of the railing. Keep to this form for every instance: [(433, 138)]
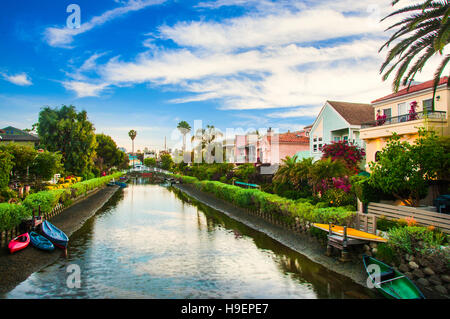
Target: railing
[(439, 115)]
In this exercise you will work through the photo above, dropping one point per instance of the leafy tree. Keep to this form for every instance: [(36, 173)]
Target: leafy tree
[(46, 165), (108, 155), (69, 132), (150, 162), (6, 165), (166, 161), (245, 172), (422, 35), (23, 157), (404, 170)]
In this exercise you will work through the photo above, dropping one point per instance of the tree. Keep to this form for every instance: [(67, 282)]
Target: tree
[(132, 134), (69, 132), (322, 172), (404, 170), (6, 165), (421, 35), (291, 179), (166, 161), (184, 128), (23, 157), (150, 162), (46, 165), (108, 155)]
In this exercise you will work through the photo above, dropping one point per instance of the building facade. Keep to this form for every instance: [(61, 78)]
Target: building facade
[(338, 121), (14, 135), (404, 113)]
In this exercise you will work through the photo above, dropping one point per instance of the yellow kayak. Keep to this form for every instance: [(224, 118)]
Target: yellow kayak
[(351, 232)]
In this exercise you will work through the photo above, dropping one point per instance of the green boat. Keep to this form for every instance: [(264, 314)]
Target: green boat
[(392, 283)]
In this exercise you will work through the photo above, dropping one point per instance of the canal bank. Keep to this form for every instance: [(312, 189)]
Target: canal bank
[(301, 243), (17, 267)]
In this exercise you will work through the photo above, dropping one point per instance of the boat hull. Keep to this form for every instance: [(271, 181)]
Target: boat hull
[(402, 288), (19, 243), (41, 242), (351, 233), (54, 234)]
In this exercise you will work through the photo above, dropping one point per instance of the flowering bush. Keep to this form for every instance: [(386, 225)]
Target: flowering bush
[(350, 154)]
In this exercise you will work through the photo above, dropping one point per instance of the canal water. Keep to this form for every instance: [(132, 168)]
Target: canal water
[(149, 241)]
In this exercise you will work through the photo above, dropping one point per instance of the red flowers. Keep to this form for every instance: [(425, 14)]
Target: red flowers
[(347, 152)]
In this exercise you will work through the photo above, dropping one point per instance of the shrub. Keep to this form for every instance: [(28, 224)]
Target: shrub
[(11, 215), (413, 239)]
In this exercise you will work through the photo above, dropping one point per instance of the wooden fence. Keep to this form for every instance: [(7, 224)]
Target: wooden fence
[(365, 222), (423, 217)]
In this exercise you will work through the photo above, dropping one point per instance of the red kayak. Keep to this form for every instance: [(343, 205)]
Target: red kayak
[(19, 243)]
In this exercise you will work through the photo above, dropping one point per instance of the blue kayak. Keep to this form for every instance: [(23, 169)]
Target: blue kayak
[(40, 242), (121, 184), (54, 234)]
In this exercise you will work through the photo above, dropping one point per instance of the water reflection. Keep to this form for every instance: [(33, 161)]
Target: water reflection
[(152, 242)]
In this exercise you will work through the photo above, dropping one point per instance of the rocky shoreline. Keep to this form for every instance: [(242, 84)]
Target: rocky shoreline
[(18, 267), (435, 287)]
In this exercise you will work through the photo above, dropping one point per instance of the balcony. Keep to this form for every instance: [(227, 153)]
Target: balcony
[(434, 115)]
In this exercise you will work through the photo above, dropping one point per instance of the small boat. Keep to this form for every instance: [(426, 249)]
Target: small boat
[(54, 234), (40, 242), (122, 185), (391, 283), (351, 233), (111, 184), (19, 243)]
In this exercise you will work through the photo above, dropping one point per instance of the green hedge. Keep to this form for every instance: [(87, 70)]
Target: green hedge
[(12, 214), (279, 208)]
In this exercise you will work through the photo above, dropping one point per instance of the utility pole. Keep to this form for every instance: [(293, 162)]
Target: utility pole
[(165, 148)]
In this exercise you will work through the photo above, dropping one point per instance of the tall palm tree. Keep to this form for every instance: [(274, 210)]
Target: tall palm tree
[(424, 33), (184, 128), (132, 134)]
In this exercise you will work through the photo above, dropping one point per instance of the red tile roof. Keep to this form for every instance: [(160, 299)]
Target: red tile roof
[(412, 89), (290, 137)]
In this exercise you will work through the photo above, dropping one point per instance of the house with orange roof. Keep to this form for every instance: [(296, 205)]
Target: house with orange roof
[(404, 112), (274, 147)]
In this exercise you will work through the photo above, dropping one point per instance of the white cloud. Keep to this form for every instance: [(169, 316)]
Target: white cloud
[(269, 30), (85, 89), (21, 79), (263, 60), (63, 36)]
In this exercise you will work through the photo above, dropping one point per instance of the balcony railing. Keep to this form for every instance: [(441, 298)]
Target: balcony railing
[(438, 115)]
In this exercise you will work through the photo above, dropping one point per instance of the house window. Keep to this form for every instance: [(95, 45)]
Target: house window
[(346, 138), (315, 148), (427, 105), (337, 138), (402, 112), (320, 147), (320, 139), (387, 112), (315, 139)]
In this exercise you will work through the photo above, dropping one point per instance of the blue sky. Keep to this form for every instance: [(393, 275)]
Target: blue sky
[(148, 64)]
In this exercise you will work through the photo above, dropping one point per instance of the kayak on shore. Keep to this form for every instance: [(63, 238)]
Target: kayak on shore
[(54, 234), (41, 242), (351, 233), (19, 243)]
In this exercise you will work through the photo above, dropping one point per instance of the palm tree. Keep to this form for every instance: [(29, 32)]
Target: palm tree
[(184, 128), (132, 134), (421, 35), (207, 138)]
